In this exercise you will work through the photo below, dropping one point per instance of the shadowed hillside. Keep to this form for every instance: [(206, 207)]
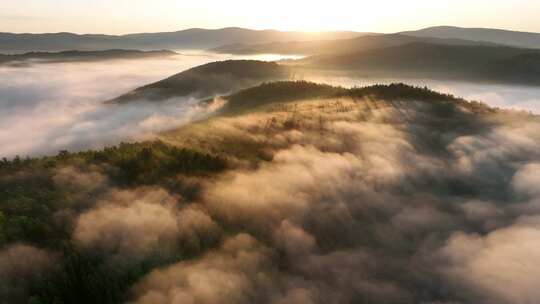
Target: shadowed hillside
[(505, 37), (208, 80), (267, 93), (484, 63)]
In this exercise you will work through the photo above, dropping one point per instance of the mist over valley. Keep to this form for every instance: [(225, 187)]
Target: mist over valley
[(237, 165)]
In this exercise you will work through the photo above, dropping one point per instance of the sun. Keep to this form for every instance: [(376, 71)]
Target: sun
[(313, 18)]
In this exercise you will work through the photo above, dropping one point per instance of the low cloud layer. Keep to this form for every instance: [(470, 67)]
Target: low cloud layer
[(135, 224), (337, 201), (230, 274), (359, 211), (348, 201), (500, 267), (50, 107)]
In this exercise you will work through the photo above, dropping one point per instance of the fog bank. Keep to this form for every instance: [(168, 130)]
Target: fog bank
[(49, 107)]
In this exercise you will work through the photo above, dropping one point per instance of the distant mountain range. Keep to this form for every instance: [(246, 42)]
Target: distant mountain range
[(504, 37), (436, 35), (438, 52), (67, 56), (243, 41), (342, 46), (186, 39)]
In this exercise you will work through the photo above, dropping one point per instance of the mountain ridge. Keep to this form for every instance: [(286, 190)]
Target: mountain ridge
[(75, 55), (194, 38), (499, 36), (417, 59), (341, 46)]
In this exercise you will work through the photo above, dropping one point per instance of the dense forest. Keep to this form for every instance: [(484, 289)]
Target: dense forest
[(38, 194), (292, 191)]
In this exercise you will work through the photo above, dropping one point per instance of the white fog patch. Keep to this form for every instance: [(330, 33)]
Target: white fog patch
[(133, 224), (527, 179), (526, 98), (45, 108), (226, 275), (48, 107), (110, 124), (501, 266)]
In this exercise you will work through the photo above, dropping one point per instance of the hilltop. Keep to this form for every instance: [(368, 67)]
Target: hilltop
[(459, 62), (208, 80), (504, 37), (252, 99)]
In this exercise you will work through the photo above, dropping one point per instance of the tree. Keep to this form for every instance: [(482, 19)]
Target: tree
[(3, 223)]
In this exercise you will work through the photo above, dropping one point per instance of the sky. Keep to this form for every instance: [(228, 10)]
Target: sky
[(385, 16)]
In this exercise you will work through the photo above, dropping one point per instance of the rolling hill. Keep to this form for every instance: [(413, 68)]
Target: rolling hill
[(194, 38), (484, 63), (70, 56), (208, 80), (504, 37), (303, 175), (335, 47)]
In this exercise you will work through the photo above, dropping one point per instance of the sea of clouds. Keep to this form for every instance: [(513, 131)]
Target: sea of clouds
[(350, 206), (45, 108)]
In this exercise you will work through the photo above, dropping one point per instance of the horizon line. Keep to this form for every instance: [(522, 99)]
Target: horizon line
[(262, 30)]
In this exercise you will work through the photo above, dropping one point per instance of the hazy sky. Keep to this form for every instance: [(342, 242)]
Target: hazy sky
[(128, 16)]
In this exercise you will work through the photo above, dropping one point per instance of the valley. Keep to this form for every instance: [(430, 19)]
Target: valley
[(236, 165)]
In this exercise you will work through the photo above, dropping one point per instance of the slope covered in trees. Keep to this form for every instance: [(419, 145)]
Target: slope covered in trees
[(293, 191), (503, 37), (254, 98), (208, 80), (484, 63)]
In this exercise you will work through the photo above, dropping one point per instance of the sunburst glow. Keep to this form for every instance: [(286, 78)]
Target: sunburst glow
[(125, 16)]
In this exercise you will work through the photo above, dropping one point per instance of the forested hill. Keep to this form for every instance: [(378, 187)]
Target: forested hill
[(252, 99), (130, 223), (484, 63), (497, 36), (77, 56), (208, 80), (195, 38)]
